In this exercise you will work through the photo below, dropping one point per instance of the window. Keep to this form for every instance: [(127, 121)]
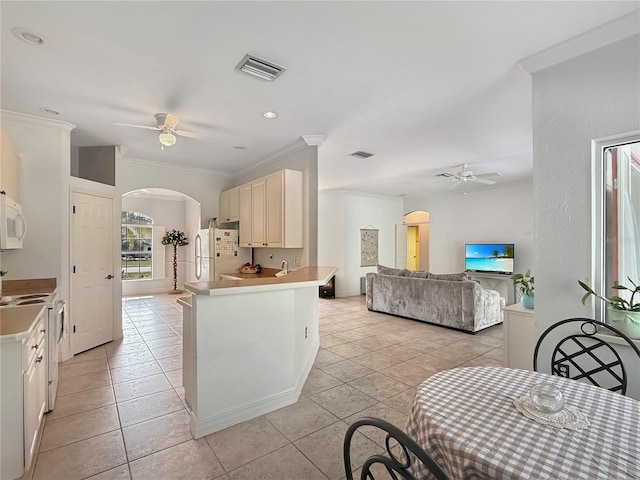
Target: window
[(616, 216), (137, 246)]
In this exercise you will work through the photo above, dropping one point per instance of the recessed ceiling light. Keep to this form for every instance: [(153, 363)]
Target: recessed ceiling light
[(270, 115), (28, 36), (50, 111)]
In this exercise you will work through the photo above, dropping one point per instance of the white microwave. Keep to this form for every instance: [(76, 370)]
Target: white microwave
[(13, 226)]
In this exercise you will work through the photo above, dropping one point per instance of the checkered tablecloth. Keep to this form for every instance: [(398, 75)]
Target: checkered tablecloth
[(466, 420)]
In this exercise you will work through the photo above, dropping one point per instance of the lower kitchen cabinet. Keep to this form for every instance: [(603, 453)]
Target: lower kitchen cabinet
[(24, 398)]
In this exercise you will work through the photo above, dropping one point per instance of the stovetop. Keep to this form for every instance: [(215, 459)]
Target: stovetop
[(20, 300)]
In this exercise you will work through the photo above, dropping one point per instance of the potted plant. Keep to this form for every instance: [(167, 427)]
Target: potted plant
[(177, 239), (623, 314), (524, 284)]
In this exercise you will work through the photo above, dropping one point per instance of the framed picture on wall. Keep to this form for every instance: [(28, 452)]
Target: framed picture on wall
[(368, 247)]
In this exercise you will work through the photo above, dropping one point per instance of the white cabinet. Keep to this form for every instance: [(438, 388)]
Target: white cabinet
[(245, 215), (229, 205), (9, 169), (518, 337), (271, 209), (23, 398)]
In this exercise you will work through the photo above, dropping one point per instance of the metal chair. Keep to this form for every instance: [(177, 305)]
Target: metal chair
[(586, 356), (408, 450)]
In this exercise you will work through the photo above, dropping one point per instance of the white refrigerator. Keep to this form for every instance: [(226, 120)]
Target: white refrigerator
[(217, 252)]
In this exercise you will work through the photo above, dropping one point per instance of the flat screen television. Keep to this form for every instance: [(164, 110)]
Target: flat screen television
[(489, 257)]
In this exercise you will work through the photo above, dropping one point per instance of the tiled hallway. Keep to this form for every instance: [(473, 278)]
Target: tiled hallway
[(120, 413)]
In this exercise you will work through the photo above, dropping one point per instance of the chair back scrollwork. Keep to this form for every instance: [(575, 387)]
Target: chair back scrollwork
[(585, 355), (401, 451)]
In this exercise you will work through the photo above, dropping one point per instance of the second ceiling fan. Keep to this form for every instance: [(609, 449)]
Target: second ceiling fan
[(464, 176)]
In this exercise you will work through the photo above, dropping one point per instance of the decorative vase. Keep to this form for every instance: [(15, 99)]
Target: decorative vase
[(526, 301), (626, 321)]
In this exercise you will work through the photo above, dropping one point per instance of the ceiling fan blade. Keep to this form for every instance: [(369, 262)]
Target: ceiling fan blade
[(492, 174), (484, 181), (136, 126), (167, 120), (182, 133)]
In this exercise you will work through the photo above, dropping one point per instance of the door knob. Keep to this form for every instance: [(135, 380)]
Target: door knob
[(109, 277)]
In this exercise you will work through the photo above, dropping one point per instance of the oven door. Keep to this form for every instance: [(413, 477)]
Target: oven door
[(14, 226)]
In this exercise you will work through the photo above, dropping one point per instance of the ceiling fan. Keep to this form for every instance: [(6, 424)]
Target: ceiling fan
[(166, 125), (464, 175)]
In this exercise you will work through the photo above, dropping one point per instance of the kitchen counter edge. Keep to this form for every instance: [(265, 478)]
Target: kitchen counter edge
[(302, 277)]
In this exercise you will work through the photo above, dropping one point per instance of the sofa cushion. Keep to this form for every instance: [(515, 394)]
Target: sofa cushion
[(411, 273), (390, 271), (452, 277)]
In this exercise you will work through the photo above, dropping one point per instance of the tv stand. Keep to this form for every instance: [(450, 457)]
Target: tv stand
[(500, 282)]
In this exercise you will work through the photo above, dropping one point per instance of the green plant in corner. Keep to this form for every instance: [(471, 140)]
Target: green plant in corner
[(524, 283), (177, 239), (617, 302)]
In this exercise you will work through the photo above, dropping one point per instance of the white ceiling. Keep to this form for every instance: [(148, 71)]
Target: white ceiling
[(424, 86)]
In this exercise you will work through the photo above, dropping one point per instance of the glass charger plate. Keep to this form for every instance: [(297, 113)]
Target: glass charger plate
[(569, 417)]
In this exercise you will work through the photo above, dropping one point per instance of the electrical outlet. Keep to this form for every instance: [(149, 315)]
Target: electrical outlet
[(305, 332), (563, 370), (296, 260)]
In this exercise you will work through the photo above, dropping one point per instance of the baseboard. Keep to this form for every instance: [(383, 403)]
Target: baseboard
[(242, 413), (348, 293)]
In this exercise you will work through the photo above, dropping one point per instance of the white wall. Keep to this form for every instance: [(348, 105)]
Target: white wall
[(589, 97), (592, 96), (497, 214), (341, 215), (169, 213), (201, 185)]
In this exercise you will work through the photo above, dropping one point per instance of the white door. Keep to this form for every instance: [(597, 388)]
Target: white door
[(92, 277)]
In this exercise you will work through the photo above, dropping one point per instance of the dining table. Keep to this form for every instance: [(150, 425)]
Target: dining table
[(467, 420)]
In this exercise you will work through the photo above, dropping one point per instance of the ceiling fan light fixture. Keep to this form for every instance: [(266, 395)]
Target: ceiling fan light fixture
[(167, 139)]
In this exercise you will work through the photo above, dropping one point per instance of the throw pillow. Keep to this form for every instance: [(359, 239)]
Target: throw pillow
[(452, 277), (410, 273), (390, 271)]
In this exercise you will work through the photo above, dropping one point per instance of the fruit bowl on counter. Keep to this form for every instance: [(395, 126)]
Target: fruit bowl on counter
[(250, 268)]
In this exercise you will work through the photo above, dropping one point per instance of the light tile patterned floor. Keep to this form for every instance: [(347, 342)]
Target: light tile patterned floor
[(120, 412)]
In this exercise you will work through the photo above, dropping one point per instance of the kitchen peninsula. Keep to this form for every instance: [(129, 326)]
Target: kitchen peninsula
[(249, 345)]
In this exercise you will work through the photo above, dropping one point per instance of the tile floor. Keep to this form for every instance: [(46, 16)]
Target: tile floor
[(120, 414)]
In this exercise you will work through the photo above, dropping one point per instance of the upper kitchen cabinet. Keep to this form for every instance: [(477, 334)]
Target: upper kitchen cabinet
[(245, 215), (230, 205), (9, 169), (276, 211)]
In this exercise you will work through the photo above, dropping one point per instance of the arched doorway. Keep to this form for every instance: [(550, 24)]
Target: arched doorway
[(412, 241), (146, 264)]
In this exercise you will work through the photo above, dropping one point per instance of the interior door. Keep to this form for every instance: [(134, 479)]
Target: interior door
[(92, 278)]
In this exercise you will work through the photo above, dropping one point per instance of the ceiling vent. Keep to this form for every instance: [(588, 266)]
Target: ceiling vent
[(361, 154), (261, 68)]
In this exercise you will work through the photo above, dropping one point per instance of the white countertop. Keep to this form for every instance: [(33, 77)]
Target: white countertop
[(302, 277)]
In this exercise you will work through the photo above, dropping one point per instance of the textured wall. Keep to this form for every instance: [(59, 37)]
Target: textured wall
[(592, 96)]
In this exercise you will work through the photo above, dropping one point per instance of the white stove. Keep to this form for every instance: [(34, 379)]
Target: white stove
[(56, 331), (30, 299)]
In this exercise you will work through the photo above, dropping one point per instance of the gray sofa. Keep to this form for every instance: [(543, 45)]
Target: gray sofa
[(451, 300)]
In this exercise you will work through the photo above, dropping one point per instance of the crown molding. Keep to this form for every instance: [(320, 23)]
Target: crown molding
[(313, 140), (34, 120), (173, 167), (156, 196), (598, 37), (285, 152)]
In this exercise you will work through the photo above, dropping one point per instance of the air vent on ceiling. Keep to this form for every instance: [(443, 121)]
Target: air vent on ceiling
[(361, 154), (261, 68)]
